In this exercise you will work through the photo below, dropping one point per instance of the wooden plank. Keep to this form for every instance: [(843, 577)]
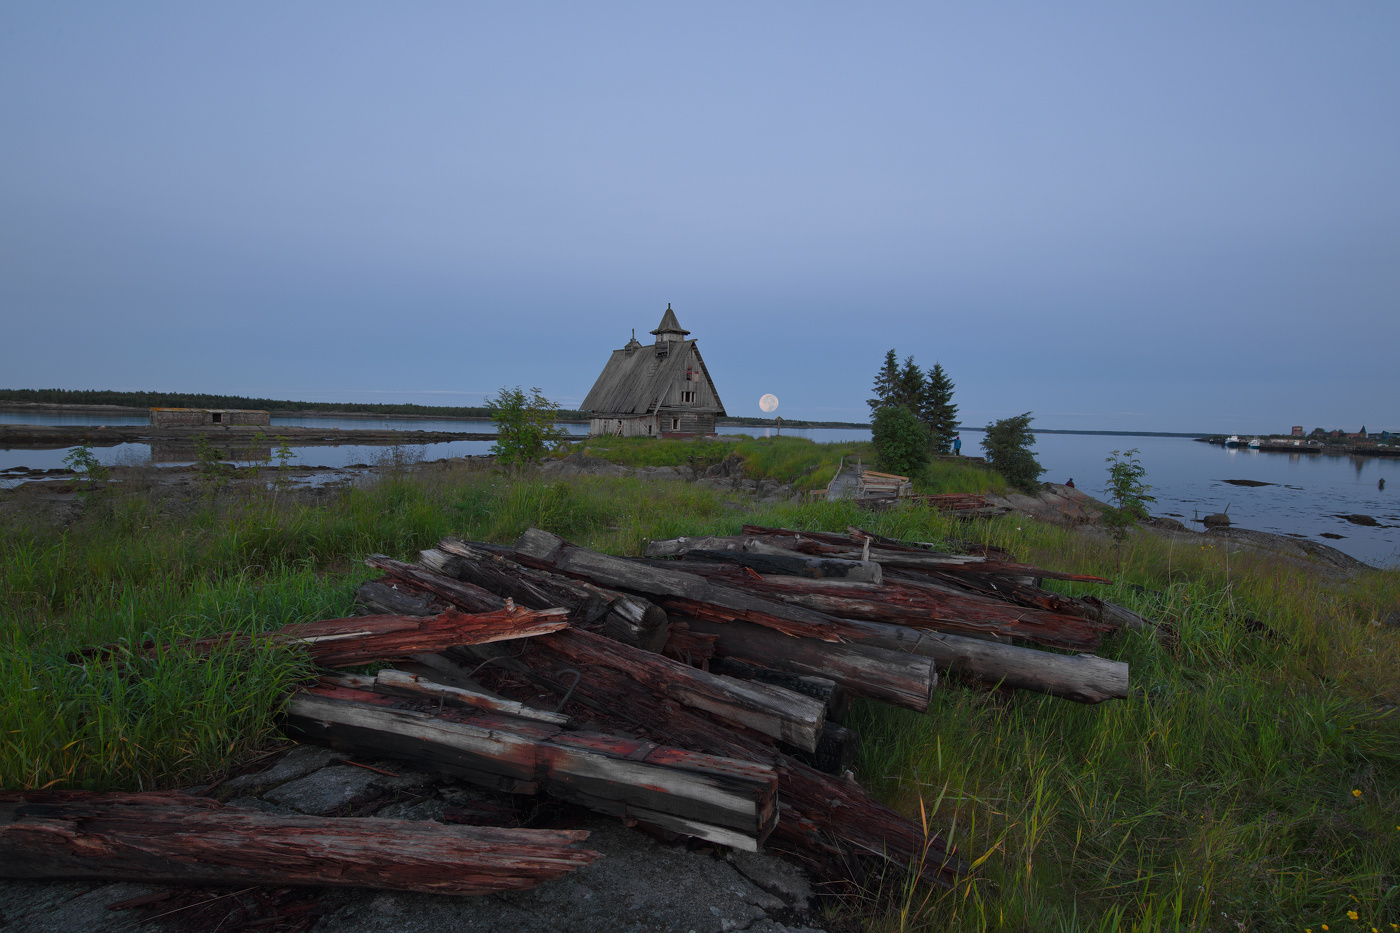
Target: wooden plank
[(736, 796), (173, 838)]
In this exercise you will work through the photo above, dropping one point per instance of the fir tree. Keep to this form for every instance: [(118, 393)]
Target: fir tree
[(886, 382), (909, 387), (938, 410)]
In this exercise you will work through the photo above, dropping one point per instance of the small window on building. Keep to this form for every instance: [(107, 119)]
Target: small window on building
[(689, 374), (218, 416), (675, 423), (648, 429)]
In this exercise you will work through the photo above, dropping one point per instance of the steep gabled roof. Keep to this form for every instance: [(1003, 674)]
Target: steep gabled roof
[(635, 381)]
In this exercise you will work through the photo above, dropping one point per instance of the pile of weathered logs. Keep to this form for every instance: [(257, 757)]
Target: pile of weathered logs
[(696, 691), (700, 689)]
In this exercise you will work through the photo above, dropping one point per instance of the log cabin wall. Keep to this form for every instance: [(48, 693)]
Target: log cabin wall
[(625, 425)]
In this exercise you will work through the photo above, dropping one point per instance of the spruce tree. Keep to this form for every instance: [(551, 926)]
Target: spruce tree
[(938, 410), (909, 386), (886, 382)]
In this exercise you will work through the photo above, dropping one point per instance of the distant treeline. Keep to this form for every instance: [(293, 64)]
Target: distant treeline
[(200, 400)]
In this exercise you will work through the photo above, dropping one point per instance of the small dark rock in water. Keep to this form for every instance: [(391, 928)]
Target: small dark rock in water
[(1361, 520), (1176, 515), (1328, 534), (1248, 482), (1218, 520)]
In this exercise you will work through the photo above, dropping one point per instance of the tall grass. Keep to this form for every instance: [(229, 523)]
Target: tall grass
[(1223, 794), (1251, 781)]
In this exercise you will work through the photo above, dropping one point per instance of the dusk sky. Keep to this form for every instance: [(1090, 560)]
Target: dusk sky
[(1174, 217)]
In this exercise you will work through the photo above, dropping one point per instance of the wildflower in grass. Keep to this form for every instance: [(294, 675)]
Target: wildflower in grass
[(1356, 793), (1352, 914)]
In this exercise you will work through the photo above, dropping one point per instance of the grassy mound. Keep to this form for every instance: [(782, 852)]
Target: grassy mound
[(800, 461)]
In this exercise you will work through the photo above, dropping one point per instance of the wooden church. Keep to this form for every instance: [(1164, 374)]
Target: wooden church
[(661, 390)]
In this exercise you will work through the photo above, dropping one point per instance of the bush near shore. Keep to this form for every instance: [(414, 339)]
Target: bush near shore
[(1251, 782)]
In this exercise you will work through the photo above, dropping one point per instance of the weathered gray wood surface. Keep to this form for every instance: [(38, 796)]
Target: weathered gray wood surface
[(673, 588), (865, 670), (1083, 678), (720, 799), (417, 687)]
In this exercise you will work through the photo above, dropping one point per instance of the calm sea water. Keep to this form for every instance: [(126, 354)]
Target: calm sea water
[(1308, 492)]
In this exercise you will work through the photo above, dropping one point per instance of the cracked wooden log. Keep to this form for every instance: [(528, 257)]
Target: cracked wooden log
[(1083, 678), (765, 558), (672, 588), (404, 684), (920, 605), (360, 639), (626, 617), (174, 838), (711, 797), (468, 596), (388, 597), (774, 711), (836, 697), (865, 670)]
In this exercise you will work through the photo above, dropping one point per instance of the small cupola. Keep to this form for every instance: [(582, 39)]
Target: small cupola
[(669, 329), (634, 343)]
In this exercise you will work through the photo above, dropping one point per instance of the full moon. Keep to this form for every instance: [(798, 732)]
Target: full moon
[(769, 402)]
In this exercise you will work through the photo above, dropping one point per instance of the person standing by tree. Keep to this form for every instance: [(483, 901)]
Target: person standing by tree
[(957, 445)]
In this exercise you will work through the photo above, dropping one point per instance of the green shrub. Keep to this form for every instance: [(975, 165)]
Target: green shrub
[(1008, 445), (901, 440), (525, 429)]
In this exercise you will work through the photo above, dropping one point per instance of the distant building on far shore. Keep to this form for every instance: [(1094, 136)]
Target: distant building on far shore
[(199, 417), (1297, 430)]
